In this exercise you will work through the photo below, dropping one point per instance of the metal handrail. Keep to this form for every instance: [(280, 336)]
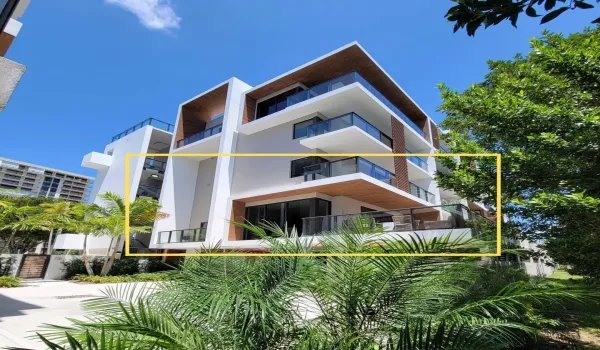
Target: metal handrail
[(324, 169), (326, 126), (150, 121), (200, 135), (430, 197)]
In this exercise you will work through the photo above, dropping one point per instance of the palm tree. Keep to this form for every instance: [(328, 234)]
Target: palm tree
[(337, 302), (18, 219), (142, 214), (85, 220), (57, 215)]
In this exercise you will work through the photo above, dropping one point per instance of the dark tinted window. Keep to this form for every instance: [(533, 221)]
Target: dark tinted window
[(297, 166), (274, 104), (300, 128)]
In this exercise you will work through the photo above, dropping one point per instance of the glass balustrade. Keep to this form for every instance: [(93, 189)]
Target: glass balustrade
[(150, 121), (200, 136), (346, 121)]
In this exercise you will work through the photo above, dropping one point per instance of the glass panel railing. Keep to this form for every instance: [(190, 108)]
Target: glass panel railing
[(155, 164), (345, 80), (148, 191), (348, 166), (200, 136), (182, 236), (420, 162), (421, 193), (456, 216), (345, 121), (150, 121)]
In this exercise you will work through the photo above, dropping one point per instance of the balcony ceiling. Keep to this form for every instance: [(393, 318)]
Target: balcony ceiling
[(359, 189), (348, 60)]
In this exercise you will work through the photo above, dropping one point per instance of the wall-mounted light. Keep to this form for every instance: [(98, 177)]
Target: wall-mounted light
[(154, 175)]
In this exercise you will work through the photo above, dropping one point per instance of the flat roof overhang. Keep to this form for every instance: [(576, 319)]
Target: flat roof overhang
[(337, 142), (357, 186), (209, 145), (350, 98), (350, 58)]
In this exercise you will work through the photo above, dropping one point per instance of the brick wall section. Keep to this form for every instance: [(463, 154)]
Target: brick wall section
[(434, 135), (238, 214), (249, 110), (400, 163)]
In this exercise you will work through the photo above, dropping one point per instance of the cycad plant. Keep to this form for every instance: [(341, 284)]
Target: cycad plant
[(335, 301)]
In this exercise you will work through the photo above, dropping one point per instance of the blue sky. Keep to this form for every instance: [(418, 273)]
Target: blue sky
[(97, 67)]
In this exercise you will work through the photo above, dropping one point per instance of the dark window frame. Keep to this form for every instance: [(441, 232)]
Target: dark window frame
[(322, 160), (275, 100)]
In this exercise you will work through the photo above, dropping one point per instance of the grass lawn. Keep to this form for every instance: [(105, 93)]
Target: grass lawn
[(564, 275)]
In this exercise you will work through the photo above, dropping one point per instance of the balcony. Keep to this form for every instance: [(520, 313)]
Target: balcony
[(348, 166), (200, 136), (420, 162), (342, 81), (457, 219), (148, 191), (155, 164), (182, 236), (421, 193), (148, 122), (96, 160), (332, 136)]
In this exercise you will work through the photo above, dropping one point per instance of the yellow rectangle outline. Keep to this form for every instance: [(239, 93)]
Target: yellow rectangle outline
[(498, 199)]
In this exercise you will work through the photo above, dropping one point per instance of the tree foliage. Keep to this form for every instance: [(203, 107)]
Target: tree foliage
[(341, 302), (472, 14), (542, 113)]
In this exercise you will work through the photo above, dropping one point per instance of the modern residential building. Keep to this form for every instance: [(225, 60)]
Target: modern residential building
[(146, 174), (10, 72), (40, 181), (343, 102)]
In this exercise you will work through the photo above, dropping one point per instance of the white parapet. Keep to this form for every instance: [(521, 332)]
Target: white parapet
[(96, 160)]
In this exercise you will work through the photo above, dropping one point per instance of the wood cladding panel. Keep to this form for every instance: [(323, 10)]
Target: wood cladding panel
[(5, 42), (359, 190), (195, 114), (400, 163), (238, 214), (348, 60), (434, 135)]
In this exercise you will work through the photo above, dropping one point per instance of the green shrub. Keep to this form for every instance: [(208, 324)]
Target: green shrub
[(140, 277), (156, 265), (6, 265), (125, 266), (9, 281), (76, 267)]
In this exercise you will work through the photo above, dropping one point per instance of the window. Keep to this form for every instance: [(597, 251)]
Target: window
[(297, 167), (301, 129), (292, 213), (274, 104)]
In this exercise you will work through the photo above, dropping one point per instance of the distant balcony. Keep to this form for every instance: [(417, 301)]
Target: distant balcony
[(346, 121), (348, 166), (420, 162), (155, 164), (404, 220), (342, 81), (421, 193), (148, 191), (182, 236), (150, 121), (201, 135)]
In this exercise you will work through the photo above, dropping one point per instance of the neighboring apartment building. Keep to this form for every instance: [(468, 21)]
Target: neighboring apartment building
[(343, 102), (39, 181), (10, 72)]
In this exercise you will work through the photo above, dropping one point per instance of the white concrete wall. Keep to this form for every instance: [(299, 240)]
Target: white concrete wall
[(204, 190), (253, 173), (56, 267), (15, 264), (113, 179), (74, 241)]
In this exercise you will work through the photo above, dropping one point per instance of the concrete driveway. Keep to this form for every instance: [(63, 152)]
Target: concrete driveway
[(25, 308)]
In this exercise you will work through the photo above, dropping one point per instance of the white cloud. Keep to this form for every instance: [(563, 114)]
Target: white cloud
[(153, 14)]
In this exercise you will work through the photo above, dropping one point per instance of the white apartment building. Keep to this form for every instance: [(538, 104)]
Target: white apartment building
[(342, 102)]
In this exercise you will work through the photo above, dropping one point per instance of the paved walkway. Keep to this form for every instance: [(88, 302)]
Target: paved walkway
[(25, 308)]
